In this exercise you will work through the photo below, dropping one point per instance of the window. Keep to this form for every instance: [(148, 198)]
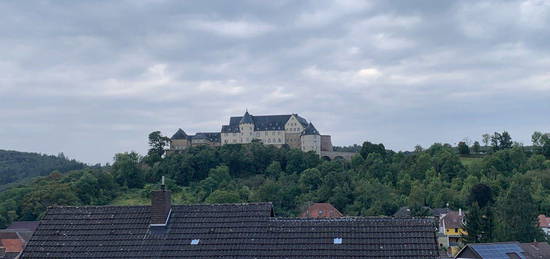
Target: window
[(338, 241), (456, 230), (195, 241), (268, 140)]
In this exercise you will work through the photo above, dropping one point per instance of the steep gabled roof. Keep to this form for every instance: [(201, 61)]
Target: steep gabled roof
[(544, 222), (180, 134), (247, 118), (301, 120), (310, 130), (225, 231), (453, 219), (321, 210)]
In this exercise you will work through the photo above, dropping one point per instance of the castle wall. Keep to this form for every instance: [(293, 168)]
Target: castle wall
[(179, 144), (293, 140), (326, 143), (311, 143)]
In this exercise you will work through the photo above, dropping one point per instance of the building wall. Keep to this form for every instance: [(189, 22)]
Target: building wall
[(179, 144), (326, 143), (293, 140), (311, 143), (455, 232), (276, 137), (292, 126)]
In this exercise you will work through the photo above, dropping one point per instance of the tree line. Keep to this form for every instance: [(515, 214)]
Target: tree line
[(508, 186)]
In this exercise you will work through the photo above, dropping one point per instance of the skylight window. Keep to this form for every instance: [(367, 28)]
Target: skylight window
[(338, 241), (195, 241)]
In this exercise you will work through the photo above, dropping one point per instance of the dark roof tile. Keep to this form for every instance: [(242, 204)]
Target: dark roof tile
[(225, 230)]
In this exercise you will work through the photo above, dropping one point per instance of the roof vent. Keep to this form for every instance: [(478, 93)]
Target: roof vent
[(195, 241), (338, 241)]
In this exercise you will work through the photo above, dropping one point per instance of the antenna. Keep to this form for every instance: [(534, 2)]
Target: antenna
[(162, 187)]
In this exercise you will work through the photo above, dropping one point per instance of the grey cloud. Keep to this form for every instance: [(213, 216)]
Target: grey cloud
[(94, 78)]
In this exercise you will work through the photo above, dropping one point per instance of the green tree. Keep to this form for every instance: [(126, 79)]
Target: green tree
[(476, 148), (369, 148), (463, 148), (480, 218), (157, 144), (221, 196), (518, 215), (500, 141), (485, 138), (127, 170), (274, 169)]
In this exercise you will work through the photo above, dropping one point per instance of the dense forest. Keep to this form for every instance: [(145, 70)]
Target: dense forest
[(501, 183), (16, 166)]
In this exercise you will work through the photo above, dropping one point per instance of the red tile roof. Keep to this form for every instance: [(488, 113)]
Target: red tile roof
[(12, 245), (544, 222), (321, 210)]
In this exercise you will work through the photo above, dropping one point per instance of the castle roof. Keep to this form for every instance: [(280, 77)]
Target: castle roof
[(180, 134), (246, 230), (210, 136), (262, 122), (247, 118), (310, 130)]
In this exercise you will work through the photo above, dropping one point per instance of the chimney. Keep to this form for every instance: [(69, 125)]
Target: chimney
[(459, 212), (161, 206), (2, 251)]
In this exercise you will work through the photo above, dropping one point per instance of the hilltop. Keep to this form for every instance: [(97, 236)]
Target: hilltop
[(18, 166)]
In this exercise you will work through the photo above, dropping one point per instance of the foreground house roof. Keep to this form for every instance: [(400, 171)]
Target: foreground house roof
[(224, 231)]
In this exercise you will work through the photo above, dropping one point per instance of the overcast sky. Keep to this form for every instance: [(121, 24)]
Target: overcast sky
[(93, 78)]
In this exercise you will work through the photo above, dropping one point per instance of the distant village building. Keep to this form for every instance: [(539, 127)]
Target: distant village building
[(321, 210), (277, 130), (244, 230), (14, 238), (544, 224), (505, 250), (451, 230)]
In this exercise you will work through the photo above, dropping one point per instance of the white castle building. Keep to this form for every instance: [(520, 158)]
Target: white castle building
[(278, 130)]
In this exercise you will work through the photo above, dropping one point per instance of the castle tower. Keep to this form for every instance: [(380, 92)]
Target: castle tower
[(246, 126), (311, 139)]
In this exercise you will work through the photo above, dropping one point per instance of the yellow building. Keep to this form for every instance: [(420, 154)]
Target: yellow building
[(451, 231)]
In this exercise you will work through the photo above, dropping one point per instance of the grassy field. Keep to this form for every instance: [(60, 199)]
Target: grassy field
[(132, 197), (466, 161)]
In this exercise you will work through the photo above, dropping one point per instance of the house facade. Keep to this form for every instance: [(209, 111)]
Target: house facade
[(544, 224), (451, 230), (278, 130)]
